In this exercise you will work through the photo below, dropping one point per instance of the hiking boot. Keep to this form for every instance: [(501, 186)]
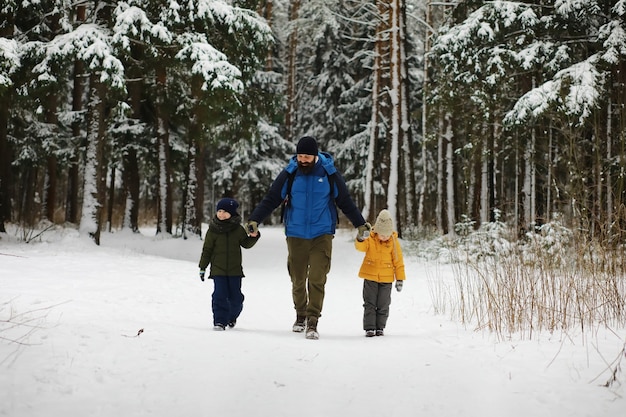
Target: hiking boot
[(299, 325), (311, 328), (380, 332), (219, 327), (370, 333)]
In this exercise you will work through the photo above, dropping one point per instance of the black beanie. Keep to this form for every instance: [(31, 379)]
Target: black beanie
[(229, 205), (307, 146)]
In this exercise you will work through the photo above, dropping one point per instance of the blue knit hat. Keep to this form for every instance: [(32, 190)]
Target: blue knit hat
[(229, 205)]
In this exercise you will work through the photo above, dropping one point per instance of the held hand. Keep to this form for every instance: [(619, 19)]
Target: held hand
[(202, 275), (399, 285), (252, 228), (363, 231)]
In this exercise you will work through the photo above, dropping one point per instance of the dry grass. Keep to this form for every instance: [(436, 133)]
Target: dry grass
[(535, 286), (17, 328)]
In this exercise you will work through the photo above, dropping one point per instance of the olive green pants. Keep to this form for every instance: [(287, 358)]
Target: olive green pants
[(308, 264)]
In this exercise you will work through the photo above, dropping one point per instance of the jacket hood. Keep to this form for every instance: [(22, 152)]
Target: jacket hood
[(325, 159)]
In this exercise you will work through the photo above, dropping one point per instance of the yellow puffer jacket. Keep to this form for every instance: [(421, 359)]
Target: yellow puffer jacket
[(383, 260)]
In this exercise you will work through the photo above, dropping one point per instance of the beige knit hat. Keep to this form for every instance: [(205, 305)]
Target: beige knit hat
[(384, 223)]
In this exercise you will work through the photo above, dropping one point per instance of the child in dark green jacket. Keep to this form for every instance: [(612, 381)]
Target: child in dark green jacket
[(222, 249)]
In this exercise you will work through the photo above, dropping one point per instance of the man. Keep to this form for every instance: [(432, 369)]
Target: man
[(310, 189)]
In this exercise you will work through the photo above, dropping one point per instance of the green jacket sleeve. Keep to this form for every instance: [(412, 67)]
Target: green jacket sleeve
[(207, 250), (246, 241)]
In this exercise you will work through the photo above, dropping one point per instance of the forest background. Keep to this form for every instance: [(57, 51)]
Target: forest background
[(453, 114)]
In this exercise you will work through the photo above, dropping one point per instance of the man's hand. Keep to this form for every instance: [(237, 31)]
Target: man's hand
[(202, 275), (363, 232), (252, 227)]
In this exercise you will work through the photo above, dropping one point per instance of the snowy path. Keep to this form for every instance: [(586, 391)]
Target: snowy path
[(84, 359)]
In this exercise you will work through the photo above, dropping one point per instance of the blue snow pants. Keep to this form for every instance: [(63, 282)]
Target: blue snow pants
[(227, 300)]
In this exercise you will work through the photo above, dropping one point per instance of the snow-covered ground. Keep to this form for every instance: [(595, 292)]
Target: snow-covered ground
[(125, 329)]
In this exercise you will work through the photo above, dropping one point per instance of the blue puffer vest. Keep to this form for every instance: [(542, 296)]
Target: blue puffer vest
[(311, 210)]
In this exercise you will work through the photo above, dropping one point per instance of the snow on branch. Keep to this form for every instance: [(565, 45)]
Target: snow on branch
[(132, 23), (9, 61), (614, 44), (574, 91), (211, 64), (485, 23), (568, 7), (89, 43), (236, 18)]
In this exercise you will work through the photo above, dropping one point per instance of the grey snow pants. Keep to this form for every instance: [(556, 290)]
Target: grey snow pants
[(376, 302)]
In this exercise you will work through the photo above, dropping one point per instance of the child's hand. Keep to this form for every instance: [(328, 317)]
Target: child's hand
[(252, 228), (363, 232), (399, 285)]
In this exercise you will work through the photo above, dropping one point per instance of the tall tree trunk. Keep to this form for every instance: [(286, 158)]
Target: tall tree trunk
[(292, 71), (192, 218), (164, 212), (620, 149), (473, 189), (550, 174), (406, 191), (395, 99), (130, 163), (267, 11), (609, 158), (73, 186), (528, 189), (94, 184), (200, 180), (111, 202), (6, 152), (190, 222), (484, 179), (131, 190), (450, 183), (381, 120), (491, 170), (424, 154), (29, 205), (440, 176), (50, 190), (516, 211), (51, 187), (368, 195), (6, 156), (51, 160)]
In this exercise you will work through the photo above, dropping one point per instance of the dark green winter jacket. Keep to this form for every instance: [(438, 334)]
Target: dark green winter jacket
[(222, 247)]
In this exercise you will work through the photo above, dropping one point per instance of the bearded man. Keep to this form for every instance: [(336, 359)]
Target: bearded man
[(310, 189)]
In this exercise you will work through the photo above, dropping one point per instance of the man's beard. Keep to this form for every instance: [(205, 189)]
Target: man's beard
[(306, 167)]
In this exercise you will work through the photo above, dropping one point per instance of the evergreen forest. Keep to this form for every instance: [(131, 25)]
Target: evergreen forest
[(117, 114)]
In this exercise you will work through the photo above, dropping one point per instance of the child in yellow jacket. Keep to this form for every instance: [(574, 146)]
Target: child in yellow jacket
[(383, 263)]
